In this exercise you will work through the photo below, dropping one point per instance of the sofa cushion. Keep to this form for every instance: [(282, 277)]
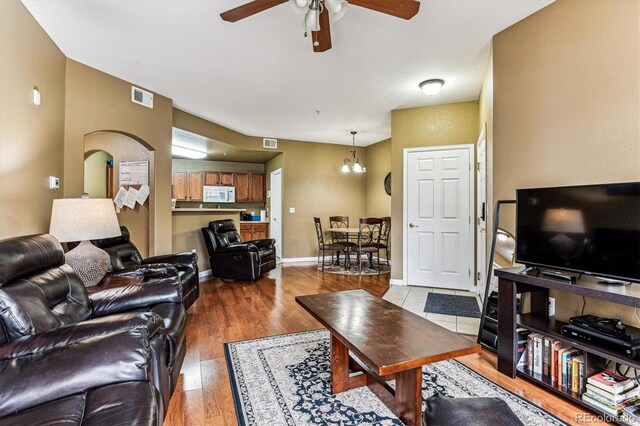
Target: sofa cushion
[(44, 252)]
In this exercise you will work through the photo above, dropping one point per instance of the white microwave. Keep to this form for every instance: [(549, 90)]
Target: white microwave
[(219, 194)]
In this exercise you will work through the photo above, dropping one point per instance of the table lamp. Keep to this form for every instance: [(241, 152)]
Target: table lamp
[(84, 219)]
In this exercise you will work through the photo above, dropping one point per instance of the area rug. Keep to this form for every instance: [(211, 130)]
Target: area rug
[(367, 269), (285, 380), (450, 304)]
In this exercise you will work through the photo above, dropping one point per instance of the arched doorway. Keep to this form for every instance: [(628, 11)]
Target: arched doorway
[(123, 147)]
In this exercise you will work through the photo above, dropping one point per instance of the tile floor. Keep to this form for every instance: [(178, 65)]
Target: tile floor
[(414, 299)]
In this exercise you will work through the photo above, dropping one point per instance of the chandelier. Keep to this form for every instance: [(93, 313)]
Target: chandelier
[(353, 159), (311, 9)]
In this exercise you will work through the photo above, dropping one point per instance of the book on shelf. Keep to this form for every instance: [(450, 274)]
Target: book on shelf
[(611, 382), (577, 366), (537, 353), (606, 397), (546, 354), (631, 414), (556, 345), (565, 365), (613, 409)]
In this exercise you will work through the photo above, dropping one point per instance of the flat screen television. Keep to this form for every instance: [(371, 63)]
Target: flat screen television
[(591, 229)]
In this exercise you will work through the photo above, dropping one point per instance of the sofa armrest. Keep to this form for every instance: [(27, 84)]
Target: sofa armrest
[(236, 248), (266, 243), (147, 322), (143, 295), (38, 378), (187, 259), (148, 271)]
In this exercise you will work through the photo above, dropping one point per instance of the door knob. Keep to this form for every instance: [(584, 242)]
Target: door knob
[(411, 225)]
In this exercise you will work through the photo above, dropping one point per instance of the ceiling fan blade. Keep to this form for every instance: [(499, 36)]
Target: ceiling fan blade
[(405, 9), (322, 37), (246, 10)]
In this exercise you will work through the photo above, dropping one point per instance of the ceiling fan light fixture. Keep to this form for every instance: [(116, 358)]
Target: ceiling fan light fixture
[(432, 87), (334, 6), (336, 16), (295, 5), (311, 20)]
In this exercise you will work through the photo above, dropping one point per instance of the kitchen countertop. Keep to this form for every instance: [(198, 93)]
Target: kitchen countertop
[(254, 221), (207, 210)]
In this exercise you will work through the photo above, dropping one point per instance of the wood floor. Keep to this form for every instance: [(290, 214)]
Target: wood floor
[(228, 312)]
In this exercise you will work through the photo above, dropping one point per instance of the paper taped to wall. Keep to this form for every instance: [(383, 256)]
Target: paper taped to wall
[(121, 197), (132, 194), (143, 193)]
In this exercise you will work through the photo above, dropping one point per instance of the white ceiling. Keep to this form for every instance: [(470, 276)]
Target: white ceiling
[(261, 77)]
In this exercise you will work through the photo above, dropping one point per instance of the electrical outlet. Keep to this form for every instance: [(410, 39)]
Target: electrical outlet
[(552, 306), (292, 209)]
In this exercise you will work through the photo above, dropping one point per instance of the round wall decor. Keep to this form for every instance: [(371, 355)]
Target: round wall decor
[(387, 183)]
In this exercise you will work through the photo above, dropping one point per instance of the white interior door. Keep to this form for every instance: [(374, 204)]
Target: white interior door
[(275, 215), (438, 210), (481, 212)]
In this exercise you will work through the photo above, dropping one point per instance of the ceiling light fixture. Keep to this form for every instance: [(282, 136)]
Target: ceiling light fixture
[(432, 87), (181, 151), (312, 9), (353, 159)]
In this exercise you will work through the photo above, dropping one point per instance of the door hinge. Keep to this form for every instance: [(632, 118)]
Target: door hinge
[(479, 277), (478, 166), (469, 272)]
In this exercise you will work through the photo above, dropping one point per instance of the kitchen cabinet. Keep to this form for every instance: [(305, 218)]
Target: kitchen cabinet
[(253, 231), (250, 187), (241, 182), (187, 185), (218, 178), (212, 178)]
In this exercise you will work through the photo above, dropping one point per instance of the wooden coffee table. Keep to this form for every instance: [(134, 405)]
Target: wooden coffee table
[(385, 342)]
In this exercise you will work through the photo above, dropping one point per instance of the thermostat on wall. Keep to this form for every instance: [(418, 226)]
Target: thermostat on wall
[(54, 182)]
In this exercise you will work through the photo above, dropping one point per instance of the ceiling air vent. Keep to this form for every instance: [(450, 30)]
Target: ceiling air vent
[(270, 143), (142, 97)]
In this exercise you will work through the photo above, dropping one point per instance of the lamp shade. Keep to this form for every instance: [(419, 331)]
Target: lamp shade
[(80, 219), (299, 6)]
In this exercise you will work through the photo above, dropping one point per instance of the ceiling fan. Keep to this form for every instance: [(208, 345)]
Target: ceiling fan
[(319, 12)]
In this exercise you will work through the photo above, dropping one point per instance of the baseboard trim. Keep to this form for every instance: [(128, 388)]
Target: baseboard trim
[(299, 259), (395, 281), (203, 274)]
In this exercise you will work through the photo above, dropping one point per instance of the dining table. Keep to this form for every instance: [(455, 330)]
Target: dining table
[(352, 234)]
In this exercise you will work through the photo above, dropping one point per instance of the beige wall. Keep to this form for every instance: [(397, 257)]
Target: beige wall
[(312, 181), (378, 203), (124, 148), (96, 101), (95, 174), (31, 137), (567, 105), (449, 124)]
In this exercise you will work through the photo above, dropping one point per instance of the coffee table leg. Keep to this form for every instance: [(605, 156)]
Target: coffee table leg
[(339, 366), (409, 396)]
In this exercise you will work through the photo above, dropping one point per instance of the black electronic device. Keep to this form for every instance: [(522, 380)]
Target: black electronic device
[(611, 327), (627, 348), (591, 229)]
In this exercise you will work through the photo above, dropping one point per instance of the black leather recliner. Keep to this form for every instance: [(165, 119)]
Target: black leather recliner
[(125, 258), (231, 258), (58, 342)]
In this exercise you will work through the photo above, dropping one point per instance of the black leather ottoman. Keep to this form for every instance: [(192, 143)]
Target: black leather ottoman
[(443, 411)]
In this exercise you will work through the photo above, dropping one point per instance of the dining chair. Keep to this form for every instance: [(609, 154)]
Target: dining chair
[(385, 244), (340, 238), (324, 246), (368, 240)]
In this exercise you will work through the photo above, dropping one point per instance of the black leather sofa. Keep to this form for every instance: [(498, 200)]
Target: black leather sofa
[(66, 356), (125, 258), (231, 258)]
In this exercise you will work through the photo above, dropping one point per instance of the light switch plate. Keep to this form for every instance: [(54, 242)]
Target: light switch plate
[(54, 182), (292, 209)]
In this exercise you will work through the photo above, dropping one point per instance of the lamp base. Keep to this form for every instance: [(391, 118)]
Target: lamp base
[(89, 262)]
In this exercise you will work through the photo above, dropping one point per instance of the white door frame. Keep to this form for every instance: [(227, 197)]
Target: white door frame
[(278, 237), (481, 255), (405, 202)]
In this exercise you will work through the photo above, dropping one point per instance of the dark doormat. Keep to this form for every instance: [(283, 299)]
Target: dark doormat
[(450, 304)]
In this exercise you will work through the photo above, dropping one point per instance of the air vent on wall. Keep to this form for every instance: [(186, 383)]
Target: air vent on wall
[(270, 143), (142, 97)]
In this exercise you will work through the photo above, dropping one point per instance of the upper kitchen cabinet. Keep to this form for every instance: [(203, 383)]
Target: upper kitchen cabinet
[(257, 190), (250, 187), (187, 185), (241, 182)]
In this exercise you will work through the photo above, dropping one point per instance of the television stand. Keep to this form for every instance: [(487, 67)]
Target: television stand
[(537, 320), (610, 281), (559, 276)]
